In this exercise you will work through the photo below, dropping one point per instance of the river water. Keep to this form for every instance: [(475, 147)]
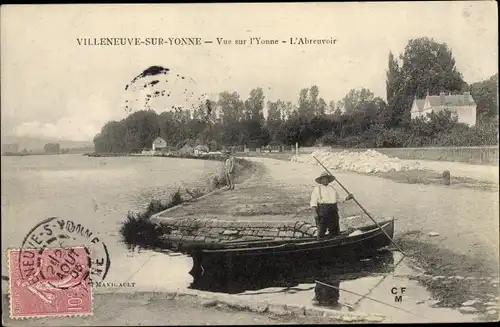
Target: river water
[(94, 191)]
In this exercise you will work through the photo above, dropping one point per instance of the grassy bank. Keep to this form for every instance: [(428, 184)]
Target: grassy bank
[(432, 177), (137, 228), (422, 176)]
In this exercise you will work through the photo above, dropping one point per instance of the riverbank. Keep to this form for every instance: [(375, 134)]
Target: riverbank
[(462, 175), (468, 250), (150, 308), (140, 221)]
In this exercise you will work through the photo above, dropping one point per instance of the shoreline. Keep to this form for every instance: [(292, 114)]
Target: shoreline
[(424, 176)]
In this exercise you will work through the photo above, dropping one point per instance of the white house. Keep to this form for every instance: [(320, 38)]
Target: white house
[(461, 105), (159, 144)]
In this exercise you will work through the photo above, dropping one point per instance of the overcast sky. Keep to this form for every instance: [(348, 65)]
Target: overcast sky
[(54, 88)]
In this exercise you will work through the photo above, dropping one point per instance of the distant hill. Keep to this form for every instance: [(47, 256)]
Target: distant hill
[(37, 144)]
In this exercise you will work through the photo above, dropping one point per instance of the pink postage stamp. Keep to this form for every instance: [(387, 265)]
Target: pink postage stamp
[(50, 282)]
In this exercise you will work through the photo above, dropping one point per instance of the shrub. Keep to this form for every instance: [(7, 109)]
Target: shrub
[(329, 139), (138, 230)]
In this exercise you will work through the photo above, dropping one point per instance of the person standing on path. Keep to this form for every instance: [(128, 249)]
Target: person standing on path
[(229, 168), (324, 200)]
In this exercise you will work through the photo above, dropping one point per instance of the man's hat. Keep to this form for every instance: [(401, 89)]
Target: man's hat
[(325, 175)]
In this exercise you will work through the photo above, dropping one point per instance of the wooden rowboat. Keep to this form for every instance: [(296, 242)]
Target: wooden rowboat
[(250, 257)]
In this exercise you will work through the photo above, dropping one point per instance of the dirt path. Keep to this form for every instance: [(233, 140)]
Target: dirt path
[(150, 309), (479, 172)]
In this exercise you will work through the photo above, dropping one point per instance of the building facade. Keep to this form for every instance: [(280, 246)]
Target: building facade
[(159, 144), (461, 106)]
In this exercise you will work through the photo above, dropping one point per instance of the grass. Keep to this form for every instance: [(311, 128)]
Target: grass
[(137, 228), (431, 177), (437, 261)]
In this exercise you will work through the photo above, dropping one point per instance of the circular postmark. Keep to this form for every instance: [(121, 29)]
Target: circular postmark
[(63, 253)]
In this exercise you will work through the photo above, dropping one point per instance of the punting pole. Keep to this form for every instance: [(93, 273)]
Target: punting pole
[(359, 204)]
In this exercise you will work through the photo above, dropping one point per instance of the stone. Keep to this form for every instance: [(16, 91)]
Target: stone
[(470, 278), (230, 232), (467, 309), (279, 310), (221, 305), (313, 312), (438, 277), (470, 303), (373, 318), (433, 234), (258, 307), (238, 304), (311, 230), (304, 228), (420, 302), (209, 303), (494, 307), (459, 277), (492, 312), (296, 309), (491, 304)]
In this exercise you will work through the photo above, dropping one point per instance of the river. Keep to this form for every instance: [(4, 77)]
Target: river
[(94, 191)]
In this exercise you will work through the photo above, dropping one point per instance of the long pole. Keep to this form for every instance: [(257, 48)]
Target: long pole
[(359, 204)]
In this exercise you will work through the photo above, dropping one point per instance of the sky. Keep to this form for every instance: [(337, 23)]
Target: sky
[(53, 88)]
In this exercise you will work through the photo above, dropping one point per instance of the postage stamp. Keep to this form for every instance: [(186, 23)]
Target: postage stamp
[(64, 233), (51, 282)]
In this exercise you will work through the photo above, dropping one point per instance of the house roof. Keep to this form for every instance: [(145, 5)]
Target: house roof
[(159, 139), (449, 100)]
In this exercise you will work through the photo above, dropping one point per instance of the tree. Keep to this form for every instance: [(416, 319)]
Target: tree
[(332, 107), (353, 100), (322, 107), (230, 106), (485, 95), (426, 66), (304, 108), (254, 105), (274, 118)]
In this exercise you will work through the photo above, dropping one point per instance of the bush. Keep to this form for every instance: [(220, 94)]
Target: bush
[(275, 143), (329, 139), (138, 230), (219, 181)]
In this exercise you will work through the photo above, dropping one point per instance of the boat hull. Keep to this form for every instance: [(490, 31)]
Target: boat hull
[(254, 259)]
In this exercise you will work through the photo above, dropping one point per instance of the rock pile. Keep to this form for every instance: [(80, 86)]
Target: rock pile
[(369, 161)]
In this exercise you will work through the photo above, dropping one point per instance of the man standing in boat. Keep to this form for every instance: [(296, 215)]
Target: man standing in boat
[(229, 168), (324, 200)]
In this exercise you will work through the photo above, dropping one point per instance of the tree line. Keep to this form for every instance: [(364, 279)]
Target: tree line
[(359, 119)]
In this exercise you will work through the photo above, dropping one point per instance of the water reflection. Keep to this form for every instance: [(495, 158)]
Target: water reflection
[(292, 275), (325, 295)]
